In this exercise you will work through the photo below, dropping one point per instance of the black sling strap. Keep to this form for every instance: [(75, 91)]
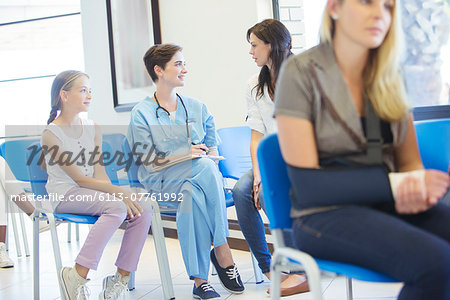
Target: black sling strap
[(373, 147), (374, 141)]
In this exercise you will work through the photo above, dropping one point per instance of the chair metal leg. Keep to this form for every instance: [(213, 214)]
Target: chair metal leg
[(77, 232), (258, 273), (36, 257), (56, 250), (13, 212), (69, 232), (161, 254), (275, 277), (308, 263), (131, 282), (213, 270), (24, 235), (8, 211), (349, 288)]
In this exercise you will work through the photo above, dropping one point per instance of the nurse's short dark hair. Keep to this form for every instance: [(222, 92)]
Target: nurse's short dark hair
[(159, 55)]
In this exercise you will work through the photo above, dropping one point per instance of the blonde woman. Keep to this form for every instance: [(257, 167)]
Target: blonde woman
[(323, 100)]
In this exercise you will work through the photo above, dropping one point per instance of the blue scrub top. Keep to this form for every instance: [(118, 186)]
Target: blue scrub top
[(166, 135)]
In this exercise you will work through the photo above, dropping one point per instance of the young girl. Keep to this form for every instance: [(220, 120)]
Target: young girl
[(270, 45), (172, 126), (68, 133), (321, 105)]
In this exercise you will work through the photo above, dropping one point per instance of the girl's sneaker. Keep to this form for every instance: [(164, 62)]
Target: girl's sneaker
[(5, 261), (114, 287), (73, 285)]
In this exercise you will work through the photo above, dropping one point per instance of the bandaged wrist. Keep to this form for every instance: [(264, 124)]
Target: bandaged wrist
[(395, 179)]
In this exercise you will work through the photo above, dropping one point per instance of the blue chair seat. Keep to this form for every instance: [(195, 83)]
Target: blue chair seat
[(123, 181), (350, 271), (75, 218)]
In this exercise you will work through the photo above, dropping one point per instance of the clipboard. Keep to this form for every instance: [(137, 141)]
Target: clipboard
[(185, 158)]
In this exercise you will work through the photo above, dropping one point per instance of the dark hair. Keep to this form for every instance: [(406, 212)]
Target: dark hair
[(159, 55), (271, 32), (63, 81)]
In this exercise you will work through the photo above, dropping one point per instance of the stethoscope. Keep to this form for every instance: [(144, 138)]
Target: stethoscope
[(168, 114)]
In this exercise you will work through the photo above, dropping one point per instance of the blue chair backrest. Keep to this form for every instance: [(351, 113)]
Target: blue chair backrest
[(235, 147), (433, 138), (14, 153), (115, 141), (111, 167), (38, 177), (132, 171), (275, 183)]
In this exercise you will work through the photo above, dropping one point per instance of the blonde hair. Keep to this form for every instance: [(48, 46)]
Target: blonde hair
[(382, 78), (63, 81)]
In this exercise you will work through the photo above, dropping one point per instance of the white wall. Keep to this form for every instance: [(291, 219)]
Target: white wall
[(213, 35), (313, 18)]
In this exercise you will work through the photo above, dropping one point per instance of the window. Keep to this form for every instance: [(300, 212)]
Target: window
[(426, 65), (35, 45)]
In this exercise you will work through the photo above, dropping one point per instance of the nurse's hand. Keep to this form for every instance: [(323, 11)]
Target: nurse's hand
[(133, 208), (199, 149)]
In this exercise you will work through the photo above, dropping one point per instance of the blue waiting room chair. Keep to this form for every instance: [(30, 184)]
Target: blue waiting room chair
[(276, 185), (13, 151), (38, 179), (433, 139), (235, 147)]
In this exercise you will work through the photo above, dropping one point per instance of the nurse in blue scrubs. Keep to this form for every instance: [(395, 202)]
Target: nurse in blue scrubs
[(168, 126)]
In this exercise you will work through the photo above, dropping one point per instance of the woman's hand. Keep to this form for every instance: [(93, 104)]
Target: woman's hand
[(256, 189), (437, 184), (411, 196), (415, 196), (133, 208), (199, 149)]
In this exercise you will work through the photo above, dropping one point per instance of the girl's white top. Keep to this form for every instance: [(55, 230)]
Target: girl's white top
[(78, 151)]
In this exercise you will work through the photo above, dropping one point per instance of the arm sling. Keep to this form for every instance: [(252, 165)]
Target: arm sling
[(339, 181)]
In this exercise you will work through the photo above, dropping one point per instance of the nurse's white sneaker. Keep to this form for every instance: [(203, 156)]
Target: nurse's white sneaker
[(114, 287), (5, 261), (73, 285)]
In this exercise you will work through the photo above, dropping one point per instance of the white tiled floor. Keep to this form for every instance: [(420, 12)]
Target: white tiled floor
[(16, 283)]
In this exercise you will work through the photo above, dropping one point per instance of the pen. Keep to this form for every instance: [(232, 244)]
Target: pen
[(206, 151)]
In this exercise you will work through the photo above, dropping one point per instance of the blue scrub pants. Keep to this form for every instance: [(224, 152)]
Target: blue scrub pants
[(201, 215), (415, 249)]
